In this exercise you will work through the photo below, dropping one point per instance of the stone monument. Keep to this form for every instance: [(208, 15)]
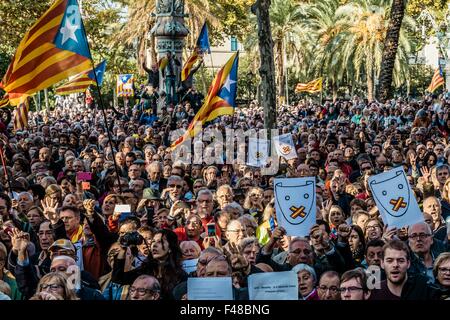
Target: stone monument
[(170, 31)]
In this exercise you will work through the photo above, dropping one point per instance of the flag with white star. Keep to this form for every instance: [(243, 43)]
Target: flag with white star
[(53, 49), (220, 101)]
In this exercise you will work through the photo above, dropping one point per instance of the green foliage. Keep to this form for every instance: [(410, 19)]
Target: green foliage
[(16, 17), (339, 40)]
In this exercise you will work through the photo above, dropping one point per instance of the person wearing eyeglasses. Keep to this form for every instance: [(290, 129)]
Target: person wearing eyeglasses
[(53, 286), (145, 287), (441, 271), (328, 288), (173, 192), (235, 233), (425, 249), (354, 285)]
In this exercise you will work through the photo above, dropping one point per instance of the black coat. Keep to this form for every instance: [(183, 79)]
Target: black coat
[(415, 288)]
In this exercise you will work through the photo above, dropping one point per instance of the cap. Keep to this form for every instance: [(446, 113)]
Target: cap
[(62, 244), (151, 194)]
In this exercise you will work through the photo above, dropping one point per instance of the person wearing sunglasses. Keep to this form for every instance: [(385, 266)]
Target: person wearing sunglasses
[(173, 192)]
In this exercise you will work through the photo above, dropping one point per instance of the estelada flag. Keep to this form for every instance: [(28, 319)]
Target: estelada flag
[(221, 99), (436, 81), (201, 47), (125, 85), (311, 87), (53, 49)]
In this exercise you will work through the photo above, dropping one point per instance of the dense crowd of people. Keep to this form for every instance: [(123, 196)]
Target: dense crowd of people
[(55, 220)]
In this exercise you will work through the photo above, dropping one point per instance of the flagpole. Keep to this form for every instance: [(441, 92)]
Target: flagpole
[(212, 64), (5, 169), (102, 107)]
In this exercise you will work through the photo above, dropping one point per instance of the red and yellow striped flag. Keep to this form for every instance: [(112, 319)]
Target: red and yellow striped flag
[(79, 84), (4, 102), (311, 87), (21, 115), (188, 65), (436, 81), (221, 99), (53, 49)]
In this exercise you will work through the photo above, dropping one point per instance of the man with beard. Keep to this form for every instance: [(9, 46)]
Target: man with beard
[(432, 206), (398, 285), (224, 195)]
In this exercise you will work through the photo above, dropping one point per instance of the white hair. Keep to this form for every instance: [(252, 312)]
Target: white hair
[(204, 191), (236, 206)]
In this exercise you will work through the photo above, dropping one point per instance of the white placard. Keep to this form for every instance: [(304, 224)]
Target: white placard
[(395, 199), (284, 145), (219, 288), (295, 204), (258, 152), (189, 265), (122, 208), (273, 286)]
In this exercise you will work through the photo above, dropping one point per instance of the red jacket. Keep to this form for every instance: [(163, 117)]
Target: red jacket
[(210, 219), (182, 236)]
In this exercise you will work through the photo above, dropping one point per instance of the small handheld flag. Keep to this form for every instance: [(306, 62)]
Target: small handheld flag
[(201, 47), (203, 40), (221, 98)]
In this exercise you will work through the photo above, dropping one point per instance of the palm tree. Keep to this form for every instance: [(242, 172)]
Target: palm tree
[(137, 28), (322, 33), (390, 47), (363, 26), (285, 18)]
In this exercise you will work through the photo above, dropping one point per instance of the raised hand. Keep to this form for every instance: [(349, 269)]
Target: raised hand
[(278, 233), (412, 160), (19, 240), (50, 206), (88, 206), (344, 231), (388, 234), (425, 173), (212, 241), (49, 296), (176, 211)]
